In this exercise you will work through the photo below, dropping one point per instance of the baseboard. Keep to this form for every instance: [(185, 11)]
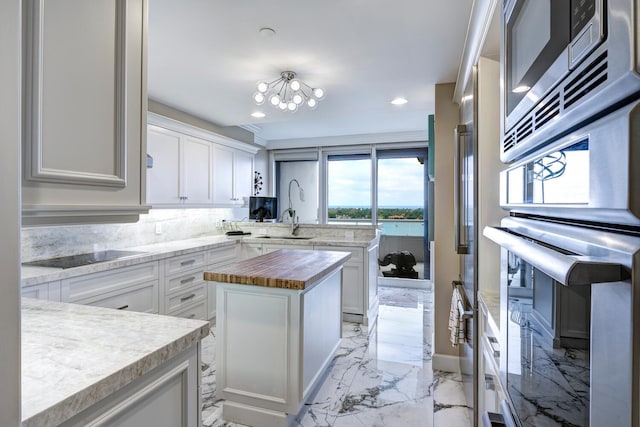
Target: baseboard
[(395, 282), (445, 362)]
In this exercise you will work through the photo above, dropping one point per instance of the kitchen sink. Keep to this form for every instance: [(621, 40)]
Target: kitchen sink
[(286, 237)]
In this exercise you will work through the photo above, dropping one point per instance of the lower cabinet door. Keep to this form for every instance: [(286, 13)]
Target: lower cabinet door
[(196, 311), (142, 298), (165, 397), (352, 289)]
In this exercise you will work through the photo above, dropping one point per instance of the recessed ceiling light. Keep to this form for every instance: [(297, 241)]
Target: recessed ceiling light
[(267, 32), (258, 114), (399, 101)]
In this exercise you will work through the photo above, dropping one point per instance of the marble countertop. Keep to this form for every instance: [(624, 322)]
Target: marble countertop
[(491, 300), (36, 275), (75, 355), (308, 240), (285, 268)]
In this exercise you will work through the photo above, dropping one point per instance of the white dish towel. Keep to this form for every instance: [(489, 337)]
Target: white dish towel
[(456, 322)]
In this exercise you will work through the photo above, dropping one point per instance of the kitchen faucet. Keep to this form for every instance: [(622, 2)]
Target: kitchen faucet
[(295, 224), (292, 213)]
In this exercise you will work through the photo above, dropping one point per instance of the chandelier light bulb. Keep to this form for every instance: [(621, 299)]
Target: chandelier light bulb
[(259, 98), (287, 93), (295, 85), (318, 93), (263, 87)]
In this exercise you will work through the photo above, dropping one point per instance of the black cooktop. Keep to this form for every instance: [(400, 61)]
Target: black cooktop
[(82, 259)]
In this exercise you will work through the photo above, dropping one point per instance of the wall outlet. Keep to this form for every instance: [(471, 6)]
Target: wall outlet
[(349, 235), (218, 223), (158, 228)]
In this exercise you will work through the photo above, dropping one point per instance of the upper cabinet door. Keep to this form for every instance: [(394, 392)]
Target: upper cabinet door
[(243, 175), (84, 101), (163, 176), (223, 176), (196, 171)]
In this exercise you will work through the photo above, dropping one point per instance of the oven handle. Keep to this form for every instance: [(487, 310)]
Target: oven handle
[(567, 269)]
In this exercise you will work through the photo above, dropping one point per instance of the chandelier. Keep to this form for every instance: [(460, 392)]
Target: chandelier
[(288, 93)]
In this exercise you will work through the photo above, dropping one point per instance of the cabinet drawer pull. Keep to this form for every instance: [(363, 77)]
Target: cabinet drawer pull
[(187, 262), (188, 297), (187, 280), (124, 307), (494, 346)]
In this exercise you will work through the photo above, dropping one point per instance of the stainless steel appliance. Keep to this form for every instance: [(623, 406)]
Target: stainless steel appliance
[(570, 271), (466, 218), (565, 62)]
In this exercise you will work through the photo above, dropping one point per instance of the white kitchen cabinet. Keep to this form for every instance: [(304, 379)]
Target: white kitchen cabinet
[(180, 169), (250, 250), (165, 397), (132, 288), (84, 111), (44, 291), (353, 283), (183, 292), (272, 247), (218, 257), (232, 176), (360, 285)]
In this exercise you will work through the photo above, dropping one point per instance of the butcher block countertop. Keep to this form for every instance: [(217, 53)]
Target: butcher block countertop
[(285, 268)]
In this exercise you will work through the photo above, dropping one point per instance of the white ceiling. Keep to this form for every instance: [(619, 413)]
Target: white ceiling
[(205, 57)]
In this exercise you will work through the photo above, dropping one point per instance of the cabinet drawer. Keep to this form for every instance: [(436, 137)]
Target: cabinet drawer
[(356, 253), (195, 311), (222, 256), (142, 297), (82, 287), (188, 297), (44, 291), (183, 263), (179, 282)]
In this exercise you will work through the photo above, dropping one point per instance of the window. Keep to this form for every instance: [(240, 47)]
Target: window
[(349, 189)]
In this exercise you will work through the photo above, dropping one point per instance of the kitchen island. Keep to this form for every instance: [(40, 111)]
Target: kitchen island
[(84, 365), (279, 325)]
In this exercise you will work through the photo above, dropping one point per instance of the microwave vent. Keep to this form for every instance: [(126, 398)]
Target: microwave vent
[(509, 142), (525, 129), (586, 81), (547, 111)]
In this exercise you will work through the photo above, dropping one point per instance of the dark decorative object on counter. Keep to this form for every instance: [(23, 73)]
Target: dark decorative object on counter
[(404, 262), (257, 183)]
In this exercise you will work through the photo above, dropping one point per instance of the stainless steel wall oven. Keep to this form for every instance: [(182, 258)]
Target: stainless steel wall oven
[(570, 274), (564, 63)]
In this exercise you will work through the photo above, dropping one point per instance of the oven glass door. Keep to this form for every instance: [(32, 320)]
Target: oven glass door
[(547, 347)]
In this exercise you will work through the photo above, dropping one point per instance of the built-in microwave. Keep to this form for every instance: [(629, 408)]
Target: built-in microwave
[(565, 62)]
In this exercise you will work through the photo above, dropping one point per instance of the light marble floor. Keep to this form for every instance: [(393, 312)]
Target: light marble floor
[(385, 379)]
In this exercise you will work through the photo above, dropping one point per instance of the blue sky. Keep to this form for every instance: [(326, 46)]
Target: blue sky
[(400, 182)]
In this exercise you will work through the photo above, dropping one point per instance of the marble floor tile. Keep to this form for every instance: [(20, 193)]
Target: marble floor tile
[(383, 379)]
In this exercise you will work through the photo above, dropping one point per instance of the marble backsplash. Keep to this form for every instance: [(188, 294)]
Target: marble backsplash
[(175, 224)]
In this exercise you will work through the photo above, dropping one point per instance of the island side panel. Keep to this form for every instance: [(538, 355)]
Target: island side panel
[(273, 347), (322, 329)]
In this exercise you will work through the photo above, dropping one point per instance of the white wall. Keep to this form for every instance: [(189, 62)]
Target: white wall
[(307, 175), (446, 260), (10, 212)]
